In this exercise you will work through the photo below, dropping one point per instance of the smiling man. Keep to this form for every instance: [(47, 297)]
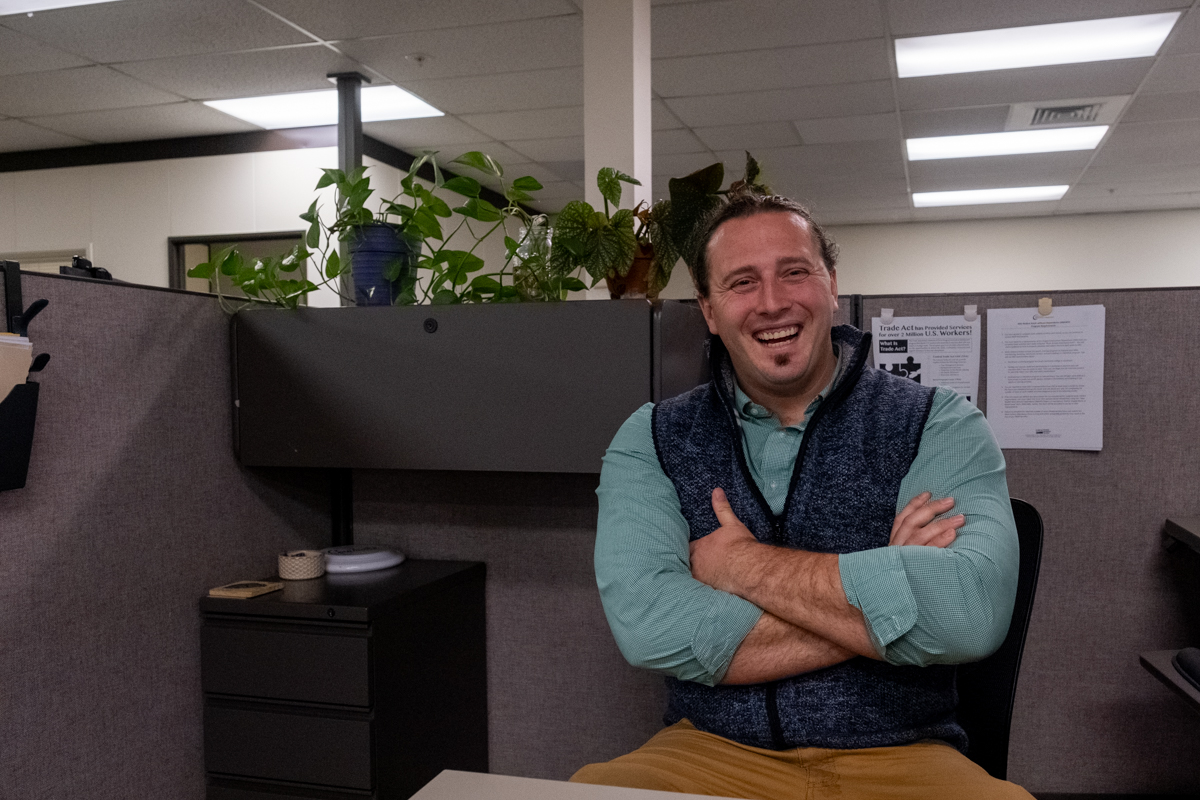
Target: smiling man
[(779, 543)]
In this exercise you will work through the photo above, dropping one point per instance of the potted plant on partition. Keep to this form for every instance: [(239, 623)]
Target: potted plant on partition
[(388, 258), (634, 250)]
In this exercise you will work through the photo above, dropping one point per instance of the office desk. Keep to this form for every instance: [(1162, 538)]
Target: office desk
[(1159, 665), (454, 785)]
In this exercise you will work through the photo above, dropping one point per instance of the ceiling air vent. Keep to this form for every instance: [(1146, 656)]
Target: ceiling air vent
[(1065, 113), (1068, 115)]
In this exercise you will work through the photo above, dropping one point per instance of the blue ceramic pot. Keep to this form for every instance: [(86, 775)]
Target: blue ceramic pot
[(371, 252)]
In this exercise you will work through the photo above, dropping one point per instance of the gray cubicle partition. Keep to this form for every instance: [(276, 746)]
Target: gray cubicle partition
[(1088, 718), (136, 504)]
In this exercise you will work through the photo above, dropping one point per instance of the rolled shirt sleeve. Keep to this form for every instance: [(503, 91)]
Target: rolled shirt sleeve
[(662, 618), (931, 605)]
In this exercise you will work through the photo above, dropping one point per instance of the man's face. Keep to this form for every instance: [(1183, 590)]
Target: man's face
[(771, 300)]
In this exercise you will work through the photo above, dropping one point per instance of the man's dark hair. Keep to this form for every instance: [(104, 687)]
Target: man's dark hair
[(750, 205)]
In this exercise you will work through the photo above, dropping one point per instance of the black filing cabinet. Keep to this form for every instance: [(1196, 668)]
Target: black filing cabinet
[(358, 686)]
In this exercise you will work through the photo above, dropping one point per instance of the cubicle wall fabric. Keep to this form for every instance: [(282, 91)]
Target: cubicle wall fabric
[(1088, 718), (134, 507)]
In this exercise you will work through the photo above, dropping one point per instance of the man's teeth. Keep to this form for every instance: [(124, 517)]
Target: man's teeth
[(782, 333)]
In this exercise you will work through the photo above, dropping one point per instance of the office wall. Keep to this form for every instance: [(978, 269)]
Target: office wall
[(135, 506), (1026, 254), (125, 212)]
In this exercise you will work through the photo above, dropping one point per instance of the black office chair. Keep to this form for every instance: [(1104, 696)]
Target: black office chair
[(987, 689)]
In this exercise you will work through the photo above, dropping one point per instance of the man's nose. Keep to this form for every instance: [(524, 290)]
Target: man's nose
[(771, 297)]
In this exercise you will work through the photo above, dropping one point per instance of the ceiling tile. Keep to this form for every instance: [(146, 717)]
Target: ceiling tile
[(676, 165), (1176, 142), (20, 53), (1100, 79), (661, 117), (722, 27), (477, 50), (989, 211), (70, 90), (1186, 36), (865, 128), (781, 68), (516, 91), (543, 123), (428, 133), (216, 77), (1038, 169), (145, 122), (1173, 74), (569, 148), (1161, 107), (749, 137), (1175, 184), (1085, 205), (923, 17), (354, 19), (954, 121), (812, 102), (140, 29), (828, 162), (16, 136), (677, 141), (865, 217), (1112, 175)]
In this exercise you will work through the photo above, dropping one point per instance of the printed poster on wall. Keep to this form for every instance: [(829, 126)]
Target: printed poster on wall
[(1046, 377), (933, 351)]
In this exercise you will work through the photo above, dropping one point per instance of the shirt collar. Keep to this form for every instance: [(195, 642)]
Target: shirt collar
[(750, 410)]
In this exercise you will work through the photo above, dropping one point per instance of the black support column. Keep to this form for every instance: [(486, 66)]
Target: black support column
[(350, 145)]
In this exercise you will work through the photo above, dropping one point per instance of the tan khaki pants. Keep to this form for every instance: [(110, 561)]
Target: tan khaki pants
[(683, 759)]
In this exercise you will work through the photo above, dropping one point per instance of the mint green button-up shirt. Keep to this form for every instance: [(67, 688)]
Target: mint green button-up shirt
[(922, 605)]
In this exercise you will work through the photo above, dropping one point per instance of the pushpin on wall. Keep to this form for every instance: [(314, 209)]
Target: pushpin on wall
[(1045, 306), (885, 316), (970, 313)]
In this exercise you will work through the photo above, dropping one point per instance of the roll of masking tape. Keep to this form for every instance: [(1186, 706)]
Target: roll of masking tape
[(299, 565)]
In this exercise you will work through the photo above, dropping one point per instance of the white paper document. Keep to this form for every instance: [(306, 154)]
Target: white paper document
[(1045, 377), (933, 351)]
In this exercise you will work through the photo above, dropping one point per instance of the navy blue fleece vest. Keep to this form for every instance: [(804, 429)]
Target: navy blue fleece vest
[(856, 449)]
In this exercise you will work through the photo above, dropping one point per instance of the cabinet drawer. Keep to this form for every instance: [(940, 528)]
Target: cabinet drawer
[(230, 789), (278, 745), (278, 664)]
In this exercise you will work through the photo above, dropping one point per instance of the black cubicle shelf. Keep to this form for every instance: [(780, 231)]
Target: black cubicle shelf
[(523, 387), (348, 597)]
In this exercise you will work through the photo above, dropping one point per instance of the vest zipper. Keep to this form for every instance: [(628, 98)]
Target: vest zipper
[(839, 393)]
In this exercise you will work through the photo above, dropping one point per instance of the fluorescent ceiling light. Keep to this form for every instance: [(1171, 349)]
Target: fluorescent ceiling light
[(1052, 140), (30, 6), (1034, 46), (306, 109), (974, 197)]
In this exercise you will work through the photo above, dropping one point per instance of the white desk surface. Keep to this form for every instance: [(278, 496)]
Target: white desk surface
[(455, 785)]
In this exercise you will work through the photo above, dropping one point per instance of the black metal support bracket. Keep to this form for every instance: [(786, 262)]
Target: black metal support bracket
[(13, 302)]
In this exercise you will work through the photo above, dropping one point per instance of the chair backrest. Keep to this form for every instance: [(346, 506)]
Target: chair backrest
[(987, 689)]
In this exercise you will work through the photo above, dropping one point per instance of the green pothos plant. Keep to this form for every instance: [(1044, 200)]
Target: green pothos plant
[(435, 273)]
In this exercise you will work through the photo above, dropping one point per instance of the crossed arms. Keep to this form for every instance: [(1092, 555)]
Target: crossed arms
[(737, 611)]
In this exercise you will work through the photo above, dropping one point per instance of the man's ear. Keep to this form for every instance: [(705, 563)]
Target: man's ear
[(706, 310), (833, 287)]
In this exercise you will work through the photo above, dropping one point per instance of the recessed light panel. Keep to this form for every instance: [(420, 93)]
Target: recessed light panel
[(307, 109), (975, 197), (1009, 143), (1034, 45), (30, 6)]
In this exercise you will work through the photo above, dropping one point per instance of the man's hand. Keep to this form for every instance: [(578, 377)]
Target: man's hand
[(714, 558), (915, 524)]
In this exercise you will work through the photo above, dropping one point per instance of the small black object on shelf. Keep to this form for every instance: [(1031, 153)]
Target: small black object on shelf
[(82, 268)]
